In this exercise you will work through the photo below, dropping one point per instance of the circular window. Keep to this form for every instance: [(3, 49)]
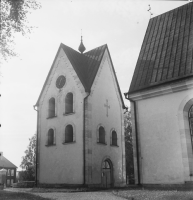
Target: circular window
[(60, 82)]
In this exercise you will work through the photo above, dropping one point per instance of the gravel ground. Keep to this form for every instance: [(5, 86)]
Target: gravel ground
[(107, 195), (155, 195), (130, 194)]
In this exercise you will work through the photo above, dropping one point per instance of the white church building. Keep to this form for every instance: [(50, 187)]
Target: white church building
[(80, 129), (161, 96)]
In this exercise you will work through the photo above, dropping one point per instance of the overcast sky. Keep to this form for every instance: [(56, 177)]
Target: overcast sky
[(121, 24)]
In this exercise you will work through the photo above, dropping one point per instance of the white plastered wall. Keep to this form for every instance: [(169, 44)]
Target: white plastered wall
[(105, 88), (62, 163), (161, 152)]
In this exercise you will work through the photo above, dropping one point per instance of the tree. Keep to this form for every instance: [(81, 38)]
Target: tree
[(28, 163), (14, 20), (129, 147)]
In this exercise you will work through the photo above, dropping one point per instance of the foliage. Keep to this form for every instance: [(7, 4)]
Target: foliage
[(28, 163), (14, 20), (129, 147)]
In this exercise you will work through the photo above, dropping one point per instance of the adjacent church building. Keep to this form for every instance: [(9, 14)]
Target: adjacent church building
[(80, 121), (161, 96)]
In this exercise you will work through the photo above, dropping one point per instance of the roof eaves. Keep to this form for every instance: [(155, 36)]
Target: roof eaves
[(160, 84)]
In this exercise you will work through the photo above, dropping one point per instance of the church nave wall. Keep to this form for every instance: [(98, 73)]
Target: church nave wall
[(160, 138)]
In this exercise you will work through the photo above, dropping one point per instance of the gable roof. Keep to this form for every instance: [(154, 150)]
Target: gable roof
[(167, 51), (85, 65), (5, 163)]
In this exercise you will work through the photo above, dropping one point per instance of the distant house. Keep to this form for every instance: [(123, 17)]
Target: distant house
[(11, 169)]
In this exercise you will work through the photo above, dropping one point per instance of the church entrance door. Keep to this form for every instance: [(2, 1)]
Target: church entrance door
[(107, 174)]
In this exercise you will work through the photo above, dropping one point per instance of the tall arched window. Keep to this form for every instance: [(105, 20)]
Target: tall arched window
[(101, 135), (190, 115), (50, 137), (69, 103), (114, 138), (51, 109), (69, 133)]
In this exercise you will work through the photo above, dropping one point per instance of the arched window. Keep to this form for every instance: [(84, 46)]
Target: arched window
[(69, 133), (101, 135), (114, 138), (50, 139), (51, 109), (69, 103), (190, 115), (106, 164), (185, 121)]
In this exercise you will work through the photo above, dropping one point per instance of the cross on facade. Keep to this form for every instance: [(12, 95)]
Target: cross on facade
[(107, 106)]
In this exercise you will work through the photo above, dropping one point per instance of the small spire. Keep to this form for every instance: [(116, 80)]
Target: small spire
[(81, 48)]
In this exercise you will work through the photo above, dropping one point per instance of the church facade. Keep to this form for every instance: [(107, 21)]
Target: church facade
[(161, 96), (80, 121)]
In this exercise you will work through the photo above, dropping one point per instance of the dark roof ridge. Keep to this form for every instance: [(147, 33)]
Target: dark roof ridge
[(171, 10), (61, 44), (94, 49)]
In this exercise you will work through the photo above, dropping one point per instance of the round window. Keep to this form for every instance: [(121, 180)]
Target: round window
[(60, 82)]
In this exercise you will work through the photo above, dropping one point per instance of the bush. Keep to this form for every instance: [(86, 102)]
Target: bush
[(24, 184)]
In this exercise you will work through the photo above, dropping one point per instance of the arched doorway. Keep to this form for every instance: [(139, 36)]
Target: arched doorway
[(107, 173)]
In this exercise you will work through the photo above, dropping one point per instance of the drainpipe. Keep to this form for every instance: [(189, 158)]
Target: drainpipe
[(84, 137), (137, 142), (36, 174)]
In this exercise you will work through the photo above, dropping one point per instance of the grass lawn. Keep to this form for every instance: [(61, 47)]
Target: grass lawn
[(5, 195)]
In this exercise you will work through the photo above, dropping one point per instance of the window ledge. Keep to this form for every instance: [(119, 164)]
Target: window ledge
[(50, 145), (65, 114), (101, 143), (69, 142), (51, 117), (114, 145)]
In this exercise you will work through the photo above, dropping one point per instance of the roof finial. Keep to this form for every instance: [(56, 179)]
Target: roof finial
[(81, 47), (149, 10)]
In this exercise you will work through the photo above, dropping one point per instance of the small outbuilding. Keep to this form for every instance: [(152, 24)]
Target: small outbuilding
[(11, 170)]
